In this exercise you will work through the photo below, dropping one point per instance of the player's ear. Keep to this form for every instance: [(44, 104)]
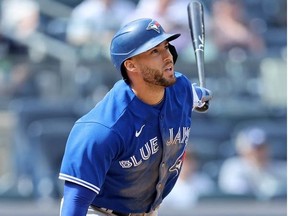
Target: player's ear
[(130, 65)]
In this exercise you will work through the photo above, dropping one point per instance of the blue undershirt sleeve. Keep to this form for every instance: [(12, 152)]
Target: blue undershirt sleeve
[(76, 200)]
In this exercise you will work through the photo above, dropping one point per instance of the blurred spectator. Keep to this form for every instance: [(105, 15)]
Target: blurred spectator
[(191, 184), (170, 13), (93, 22), (20, 81), (253, 171), (19, 20), (231, 31)]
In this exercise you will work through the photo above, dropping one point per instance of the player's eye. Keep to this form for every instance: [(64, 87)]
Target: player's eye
[(154, 51)]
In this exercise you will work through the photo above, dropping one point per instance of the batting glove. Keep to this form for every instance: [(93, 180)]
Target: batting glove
[(201, 98)]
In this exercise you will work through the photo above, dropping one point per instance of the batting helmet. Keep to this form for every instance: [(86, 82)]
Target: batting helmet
[(137, 37)]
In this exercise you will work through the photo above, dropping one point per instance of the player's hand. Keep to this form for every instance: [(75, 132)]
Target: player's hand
[(201, 98)]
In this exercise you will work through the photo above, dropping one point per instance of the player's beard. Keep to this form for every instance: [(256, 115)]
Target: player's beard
[(156, 77)]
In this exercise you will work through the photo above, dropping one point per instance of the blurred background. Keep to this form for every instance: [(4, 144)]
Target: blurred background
[(55, 66)]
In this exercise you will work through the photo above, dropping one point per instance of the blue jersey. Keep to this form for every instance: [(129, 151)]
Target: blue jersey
[(128, 152)]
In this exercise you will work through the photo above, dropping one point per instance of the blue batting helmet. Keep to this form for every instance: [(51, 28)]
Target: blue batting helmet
[(137, 37)]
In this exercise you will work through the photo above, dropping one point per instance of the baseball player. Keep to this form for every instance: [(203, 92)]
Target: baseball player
[(125, 155)]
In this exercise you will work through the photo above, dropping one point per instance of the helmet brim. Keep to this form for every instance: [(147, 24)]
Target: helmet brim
[(154, 42)]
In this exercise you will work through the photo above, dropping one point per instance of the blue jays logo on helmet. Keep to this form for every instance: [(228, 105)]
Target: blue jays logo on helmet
[(137, 37), (154, 25)]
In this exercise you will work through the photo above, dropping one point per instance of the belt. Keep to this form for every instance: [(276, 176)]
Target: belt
[(108, 211), (118, 213), (115, 212)]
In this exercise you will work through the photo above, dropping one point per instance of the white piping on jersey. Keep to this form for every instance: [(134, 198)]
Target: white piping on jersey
[(137, 133), (79, 182)]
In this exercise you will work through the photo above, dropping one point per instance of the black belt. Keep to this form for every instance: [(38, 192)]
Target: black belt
[(110, 211), (120, 213)]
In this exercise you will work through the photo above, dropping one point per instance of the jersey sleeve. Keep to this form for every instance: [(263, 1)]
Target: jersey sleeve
[(76, 200), (90, 149)]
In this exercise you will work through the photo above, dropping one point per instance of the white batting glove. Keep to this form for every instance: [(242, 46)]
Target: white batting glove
[(201, 98)]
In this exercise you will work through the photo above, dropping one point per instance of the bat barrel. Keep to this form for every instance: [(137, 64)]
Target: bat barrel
[(196, 25)]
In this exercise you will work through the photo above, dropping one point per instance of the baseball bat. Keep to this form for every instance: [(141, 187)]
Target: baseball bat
[(197, 32)]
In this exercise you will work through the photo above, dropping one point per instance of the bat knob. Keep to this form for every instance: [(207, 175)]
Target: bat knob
[(204, 108)]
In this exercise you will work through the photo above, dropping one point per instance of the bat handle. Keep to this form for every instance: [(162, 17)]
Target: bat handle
[(200, 67)]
